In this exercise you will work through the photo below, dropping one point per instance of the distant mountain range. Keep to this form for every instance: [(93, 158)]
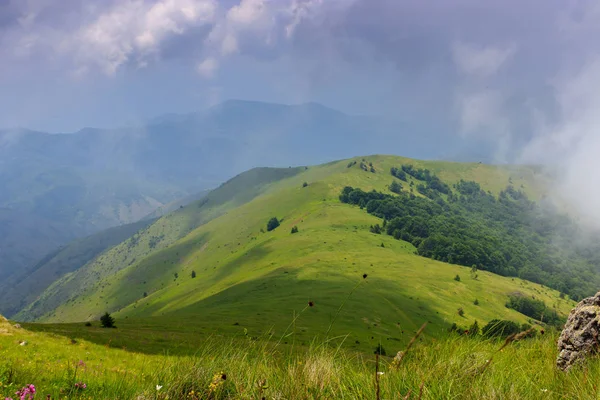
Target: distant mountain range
[(58, 187)]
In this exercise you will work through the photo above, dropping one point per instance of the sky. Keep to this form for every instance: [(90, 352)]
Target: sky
[(522, 73)]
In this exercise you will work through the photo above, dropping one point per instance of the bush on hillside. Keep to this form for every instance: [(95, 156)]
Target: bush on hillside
[(380, 350), (305, 184), (500, 328), (272, 224), (193, 274), (294, 229), (375, 229), (533, 308), (106, 321), (473, 329), (395, 187)]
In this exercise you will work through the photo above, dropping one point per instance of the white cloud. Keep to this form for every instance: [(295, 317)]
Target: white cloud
[(208, 67), (481, 62), (134, 30)]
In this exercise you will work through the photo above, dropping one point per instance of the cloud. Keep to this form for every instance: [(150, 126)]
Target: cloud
[(208, 67), (133, 31), (480, 62)]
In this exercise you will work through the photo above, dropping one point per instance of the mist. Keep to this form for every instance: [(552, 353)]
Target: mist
[(517, 79)]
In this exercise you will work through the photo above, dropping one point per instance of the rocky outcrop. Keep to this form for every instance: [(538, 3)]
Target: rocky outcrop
[(579, 338)]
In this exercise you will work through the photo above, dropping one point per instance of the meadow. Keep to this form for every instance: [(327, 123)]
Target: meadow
[(446, 367)]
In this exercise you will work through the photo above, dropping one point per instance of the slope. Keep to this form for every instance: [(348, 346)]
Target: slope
[(21, 289), (248, 278), (159, 235), (90, 180)]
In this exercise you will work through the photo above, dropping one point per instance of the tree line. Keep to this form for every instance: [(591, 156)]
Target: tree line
[(509, 234)]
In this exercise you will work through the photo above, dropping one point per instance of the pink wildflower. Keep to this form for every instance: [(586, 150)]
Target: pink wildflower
[(80, 385), (26, 393)]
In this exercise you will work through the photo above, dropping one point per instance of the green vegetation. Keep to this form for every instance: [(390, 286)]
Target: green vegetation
[(272, 224), (22, 289), (465, 367), (276, 273), (533, 308), (507, 234), (106, 321)]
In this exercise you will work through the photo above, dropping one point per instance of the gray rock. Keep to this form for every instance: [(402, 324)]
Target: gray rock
[(579, 338)]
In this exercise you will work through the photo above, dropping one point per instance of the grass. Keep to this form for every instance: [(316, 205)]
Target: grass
[(255, 280), (448, 367)]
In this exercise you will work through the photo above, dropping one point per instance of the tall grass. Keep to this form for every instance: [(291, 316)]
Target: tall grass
[(448, 368)]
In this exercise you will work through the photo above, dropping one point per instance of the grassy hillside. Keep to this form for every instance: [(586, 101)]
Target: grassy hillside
[(250, 279), (245, 368), (154, 237), (22, 289)]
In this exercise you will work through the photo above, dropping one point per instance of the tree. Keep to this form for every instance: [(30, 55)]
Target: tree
[(461, 312), (457, 278), (305, 184), (395, 187), (294, 229), (476, 302), (145, 294), (193, 274), (272, 224), (107, 321)]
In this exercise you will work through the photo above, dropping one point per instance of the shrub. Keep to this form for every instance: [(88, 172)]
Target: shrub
[(88, 324), (461, 312), (272, 224), (380, 350), (375, 229), (107, 321), (476, 302), (294, 229), (474, 329), (193, 274), (500, 328), (305, 184), (457, 278), (395, 187), (145, 294)]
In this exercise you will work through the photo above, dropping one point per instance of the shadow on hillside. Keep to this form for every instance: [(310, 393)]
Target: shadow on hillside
[(376, 312)]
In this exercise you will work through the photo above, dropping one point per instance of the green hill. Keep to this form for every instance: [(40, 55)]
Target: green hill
[(250, 278), (21, 289)]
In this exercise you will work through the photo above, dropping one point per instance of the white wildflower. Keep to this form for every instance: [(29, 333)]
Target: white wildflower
[(158, 387)]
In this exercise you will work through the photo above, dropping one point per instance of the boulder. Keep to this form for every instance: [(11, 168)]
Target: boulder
[(579, 338)]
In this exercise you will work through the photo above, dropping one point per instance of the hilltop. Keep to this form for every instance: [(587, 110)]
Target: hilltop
[(246, 277), (64, 186)]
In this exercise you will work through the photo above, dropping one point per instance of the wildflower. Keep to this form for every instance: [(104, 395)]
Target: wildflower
[(379, 372), (81, 363), (23, 343), (80, 385), (544, 390), (158, 387), (217, 381), (26, 393)]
